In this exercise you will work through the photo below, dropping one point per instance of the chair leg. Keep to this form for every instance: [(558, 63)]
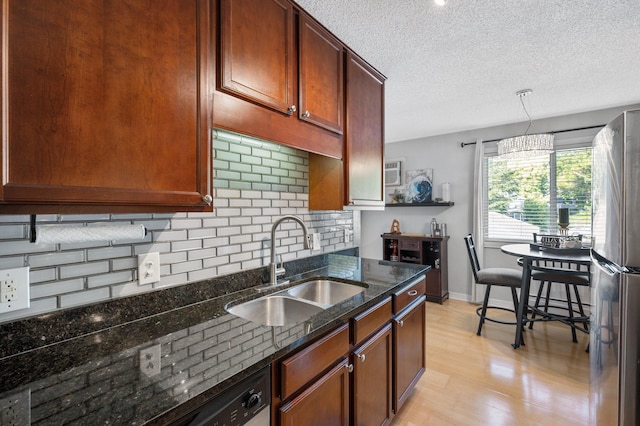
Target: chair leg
[(514, 296), (580, 307), (537, 303), (483, 313), (547, 297), (570, 309)]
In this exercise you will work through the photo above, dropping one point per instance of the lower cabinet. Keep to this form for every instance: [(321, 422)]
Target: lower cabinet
[(325, 402), (361, 373), (372, 380), (408, 350)]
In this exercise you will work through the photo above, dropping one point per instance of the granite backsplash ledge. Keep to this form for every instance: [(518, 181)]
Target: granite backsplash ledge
[(36, 332)]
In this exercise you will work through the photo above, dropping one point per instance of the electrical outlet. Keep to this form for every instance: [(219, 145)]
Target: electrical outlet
[(347, 235), (150, 360), (14, 289), (15, 410), (315, 240), (149, 268)]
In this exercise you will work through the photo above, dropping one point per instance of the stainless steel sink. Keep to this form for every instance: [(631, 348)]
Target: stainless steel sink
[(325, 292), (275, 310)]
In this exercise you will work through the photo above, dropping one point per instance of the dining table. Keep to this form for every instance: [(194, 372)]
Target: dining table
[(531, 253)]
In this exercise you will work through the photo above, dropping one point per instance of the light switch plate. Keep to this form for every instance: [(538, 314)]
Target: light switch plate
[(149, 268), (14, 289)]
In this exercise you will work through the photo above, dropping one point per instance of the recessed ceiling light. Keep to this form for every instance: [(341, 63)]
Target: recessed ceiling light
[(440, 2)]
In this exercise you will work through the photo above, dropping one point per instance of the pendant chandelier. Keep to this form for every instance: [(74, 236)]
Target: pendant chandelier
[(525, 145)]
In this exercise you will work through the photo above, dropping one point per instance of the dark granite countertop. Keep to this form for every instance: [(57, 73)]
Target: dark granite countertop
[(93, 376)]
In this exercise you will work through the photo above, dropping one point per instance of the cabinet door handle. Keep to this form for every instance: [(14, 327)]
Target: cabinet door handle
[(291, 109), (412, 292), (401, 323), (207, 199), (349, 368), (306, 115), (362, 357)]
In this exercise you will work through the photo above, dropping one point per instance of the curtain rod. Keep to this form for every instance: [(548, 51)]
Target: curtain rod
[(463, 144)]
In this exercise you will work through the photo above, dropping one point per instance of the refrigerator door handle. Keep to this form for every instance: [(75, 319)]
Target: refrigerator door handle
[(606, 266)]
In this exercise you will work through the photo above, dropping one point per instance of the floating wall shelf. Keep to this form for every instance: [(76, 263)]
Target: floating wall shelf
[(431, 204)]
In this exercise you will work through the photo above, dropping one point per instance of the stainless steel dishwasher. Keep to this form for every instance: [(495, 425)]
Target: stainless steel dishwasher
[(245, 403)]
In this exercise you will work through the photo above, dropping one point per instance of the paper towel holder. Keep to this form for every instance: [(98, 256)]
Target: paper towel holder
[(32, 230)]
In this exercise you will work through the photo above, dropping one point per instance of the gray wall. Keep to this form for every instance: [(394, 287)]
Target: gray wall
[(453, 164), (255, 183)]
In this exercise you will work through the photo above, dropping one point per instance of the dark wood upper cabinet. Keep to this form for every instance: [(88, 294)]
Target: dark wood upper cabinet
[(364, 142), (321, 76), (105, 106), (257, 60), (280, 76), (356, 181)]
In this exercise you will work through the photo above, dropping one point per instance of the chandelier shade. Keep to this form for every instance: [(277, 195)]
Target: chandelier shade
[(526, 146)]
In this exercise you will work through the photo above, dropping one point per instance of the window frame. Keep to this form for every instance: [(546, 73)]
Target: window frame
[(563, 141)]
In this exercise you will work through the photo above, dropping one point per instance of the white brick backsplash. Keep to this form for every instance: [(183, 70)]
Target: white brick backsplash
[(56, 288), (201, 254), (84, 269), (108, 253), (85, 297), (42, 275), (201, 274), (186, 245), (192, 246), (11, 262), (53, 259), (108, 279), (193, 265), (215, 242)]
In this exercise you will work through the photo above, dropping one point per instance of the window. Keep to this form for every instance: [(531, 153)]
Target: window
[(524, 195)]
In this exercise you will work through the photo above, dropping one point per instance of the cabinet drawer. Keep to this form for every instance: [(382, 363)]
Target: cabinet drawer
[(300, 368), (408, 294), (364, 324), (409, 245)]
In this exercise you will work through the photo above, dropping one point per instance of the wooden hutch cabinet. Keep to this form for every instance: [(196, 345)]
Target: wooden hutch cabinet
[(422, 250)]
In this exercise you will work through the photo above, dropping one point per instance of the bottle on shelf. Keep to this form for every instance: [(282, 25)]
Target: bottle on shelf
[(394, 251), (434, 227)]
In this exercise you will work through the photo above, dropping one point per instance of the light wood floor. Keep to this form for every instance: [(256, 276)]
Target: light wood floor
[(482, 380)]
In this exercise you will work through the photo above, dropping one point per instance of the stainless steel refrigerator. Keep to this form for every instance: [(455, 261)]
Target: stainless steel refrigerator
[(615, 273)]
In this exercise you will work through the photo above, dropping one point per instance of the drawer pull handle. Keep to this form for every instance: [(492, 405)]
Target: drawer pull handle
[(412, 292), (362, 357), (349, 368)]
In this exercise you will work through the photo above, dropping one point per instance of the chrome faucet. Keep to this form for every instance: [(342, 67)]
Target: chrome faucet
[(274, 271)]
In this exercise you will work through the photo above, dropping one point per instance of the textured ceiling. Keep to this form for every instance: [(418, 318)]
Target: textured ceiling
[(457, 67)]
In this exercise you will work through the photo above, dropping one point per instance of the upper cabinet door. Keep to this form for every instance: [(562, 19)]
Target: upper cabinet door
[(321, 76), (105, 106), (364, 153), (257, 52)]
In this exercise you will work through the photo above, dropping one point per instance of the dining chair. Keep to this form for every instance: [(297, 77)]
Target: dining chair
[(570, 275), (502, 277)]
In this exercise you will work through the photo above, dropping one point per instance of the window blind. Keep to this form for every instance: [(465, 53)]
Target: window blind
[(524, 195)]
